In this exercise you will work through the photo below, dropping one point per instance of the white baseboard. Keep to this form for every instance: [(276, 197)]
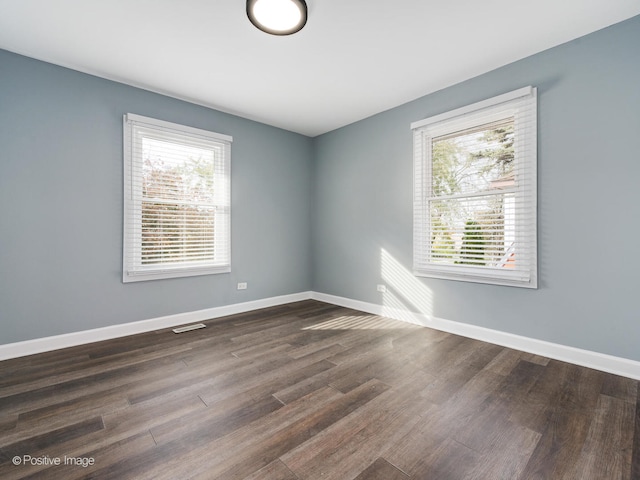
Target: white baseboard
[(586, 358), (46, 344)]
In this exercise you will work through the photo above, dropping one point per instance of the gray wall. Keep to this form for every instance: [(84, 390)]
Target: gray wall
[(61, 199), (589, 202)]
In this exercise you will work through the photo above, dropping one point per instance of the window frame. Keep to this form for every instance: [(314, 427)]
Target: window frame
[(522, 105), (134, 128)]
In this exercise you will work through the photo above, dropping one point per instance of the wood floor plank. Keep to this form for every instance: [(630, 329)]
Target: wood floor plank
[(275, 331), (446, 459), (8, 422), (570, 395), (509, 400), (507, 453), (118, 427), (204, 376), (283, 440), (504, 362), (488, 426), (439, 422), (260, 381), (382, 470), (559, 447), (304, 387), (348, 375), (147, 415), (391, 368), (42, 440), (110, 458), (310, 390), (606, 452), (276, 470), (321, 353), (223, 417), (269, 385), (207, 444), (635, 460), (90, 374), (361, 343), (52, 407), (537, 359), (102, 402), (320, 345), (348, 446), (560, 387), (36, 444), (408, 454), (25, 369), (620, 387), (467, 359), (250, 447)]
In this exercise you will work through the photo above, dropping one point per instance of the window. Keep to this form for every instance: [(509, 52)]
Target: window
[(475, 192), (176, 200)]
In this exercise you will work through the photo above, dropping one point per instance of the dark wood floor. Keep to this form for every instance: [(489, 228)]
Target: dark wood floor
[(309, 390)]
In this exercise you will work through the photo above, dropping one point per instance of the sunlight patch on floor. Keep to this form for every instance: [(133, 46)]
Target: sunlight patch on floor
[(360, 322)]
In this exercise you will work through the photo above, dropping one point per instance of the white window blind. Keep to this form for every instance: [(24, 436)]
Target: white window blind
[(475, 204), (177, 200)]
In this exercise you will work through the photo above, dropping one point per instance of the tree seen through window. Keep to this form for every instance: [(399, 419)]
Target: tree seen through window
[(472, 196)]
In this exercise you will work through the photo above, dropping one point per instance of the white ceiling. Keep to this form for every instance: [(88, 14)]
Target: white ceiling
[(354, 58)]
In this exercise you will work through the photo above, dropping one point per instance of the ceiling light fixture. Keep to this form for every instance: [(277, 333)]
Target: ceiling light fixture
[(278, 17)]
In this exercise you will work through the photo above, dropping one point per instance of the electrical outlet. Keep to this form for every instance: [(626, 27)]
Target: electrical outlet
[(242, 286), (382, 288)]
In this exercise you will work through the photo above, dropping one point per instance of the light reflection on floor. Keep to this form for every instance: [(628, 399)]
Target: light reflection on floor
[(361, 322)]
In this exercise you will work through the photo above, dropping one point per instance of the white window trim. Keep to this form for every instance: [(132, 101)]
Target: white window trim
[(132, 203), (460, 119)]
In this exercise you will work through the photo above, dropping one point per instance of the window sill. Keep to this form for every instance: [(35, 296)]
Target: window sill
[(177, 272), (510, 279)]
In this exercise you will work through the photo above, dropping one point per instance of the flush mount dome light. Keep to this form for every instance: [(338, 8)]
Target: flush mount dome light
[(278, 17)]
